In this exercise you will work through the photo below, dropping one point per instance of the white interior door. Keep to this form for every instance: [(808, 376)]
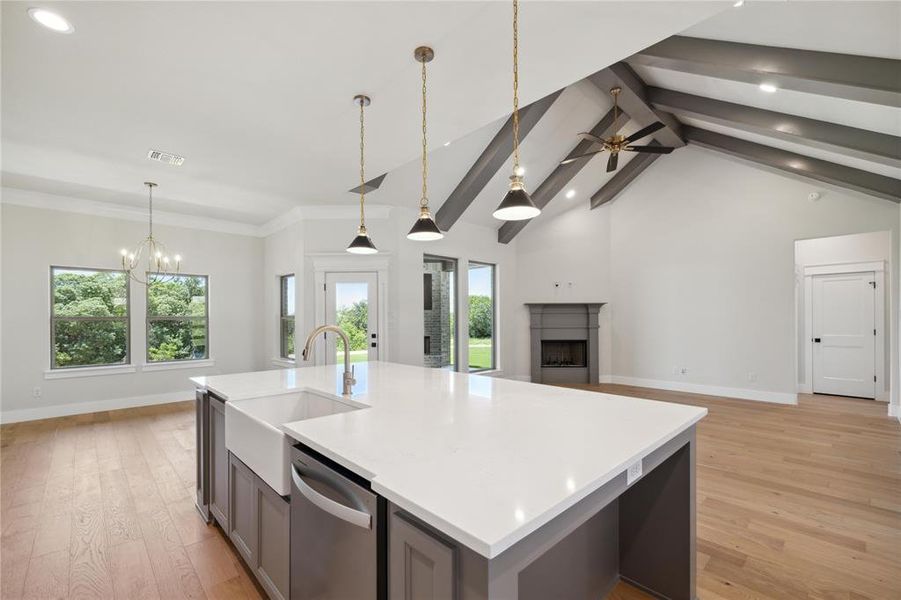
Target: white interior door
[(844, 340), (351, 302)]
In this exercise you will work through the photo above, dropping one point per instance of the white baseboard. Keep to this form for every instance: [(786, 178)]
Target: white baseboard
[(894, 412), (526, 378), (605, 378), (77, 408), (709, 390)]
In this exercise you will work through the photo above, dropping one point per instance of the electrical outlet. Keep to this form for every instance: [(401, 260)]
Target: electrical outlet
[(36, 392), (752, 376), (675, 370), (683, 371), (633, 472)]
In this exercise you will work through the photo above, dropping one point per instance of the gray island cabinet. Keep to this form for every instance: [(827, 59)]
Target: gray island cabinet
[(478, 488), (252, 514)]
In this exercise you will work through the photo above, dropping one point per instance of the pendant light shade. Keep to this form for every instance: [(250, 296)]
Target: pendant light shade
[(361, 244), (424, 229), (517, 204)]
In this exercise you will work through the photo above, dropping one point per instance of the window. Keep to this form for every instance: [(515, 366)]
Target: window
[(286, 316), (439, 294), (88, 317), (177, 318), (482, 330)]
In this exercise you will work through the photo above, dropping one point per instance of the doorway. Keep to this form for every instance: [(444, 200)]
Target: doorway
[(843, 351), (351, 302)]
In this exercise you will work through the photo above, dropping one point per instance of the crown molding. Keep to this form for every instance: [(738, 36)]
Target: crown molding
[(32, 199)]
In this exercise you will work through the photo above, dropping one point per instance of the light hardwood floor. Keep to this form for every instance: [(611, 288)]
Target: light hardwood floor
[(793, 502)]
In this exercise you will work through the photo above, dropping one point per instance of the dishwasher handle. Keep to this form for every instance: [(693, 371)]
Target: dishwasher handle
[(345, 513)]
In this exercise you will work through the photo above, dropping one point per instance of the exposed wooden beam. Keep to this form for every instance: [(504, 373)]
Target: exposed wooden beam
[(862, 143), (814, 168), (633, 99), (563, 174), (862, 78), (370, 186), (623, 177), (490, 161)]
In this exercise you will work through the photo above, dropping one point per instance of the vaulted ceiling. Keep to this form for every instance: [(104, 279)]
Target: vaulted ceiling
[(257, 95)]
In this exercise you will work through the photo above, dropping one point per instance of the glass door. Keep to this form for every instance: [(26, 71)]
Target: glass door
[(351, 303)]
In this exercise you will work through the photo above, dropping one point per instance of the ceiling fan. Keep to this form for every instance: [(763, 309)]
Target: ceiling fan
[(618, 143)]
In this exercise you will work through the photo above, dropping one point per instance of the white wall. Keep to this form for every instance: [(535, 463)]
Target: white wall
[(34, 239), (696, 258), (855, 248)]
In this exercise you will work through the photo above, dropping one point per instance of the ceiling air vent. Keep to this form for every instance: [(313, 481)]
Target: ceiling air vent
[(166, 158)]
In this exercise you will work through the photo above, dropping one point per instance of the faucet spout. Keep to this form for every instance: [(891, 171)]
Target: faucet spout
[(307, 353)]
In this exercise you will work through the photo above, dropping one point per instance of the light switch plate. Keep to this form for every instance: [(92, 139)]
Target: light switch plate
[(633, 472)]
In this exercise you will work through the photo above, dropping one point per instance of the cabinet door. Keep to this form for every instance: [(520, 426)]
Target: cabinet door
[(242, 524), (218, 463), (421, 566), (202, 427), (273, 541)]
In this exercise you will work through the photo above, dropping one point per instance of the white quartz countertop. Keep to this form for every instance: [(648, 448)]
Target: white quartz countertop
[(485, 460)]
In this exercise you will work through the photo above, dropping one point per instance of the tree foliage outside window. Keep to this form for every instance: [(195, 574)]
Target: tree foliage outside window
[(177, 318), (89, 317), (286, 325), (481, 317), (354, 319)]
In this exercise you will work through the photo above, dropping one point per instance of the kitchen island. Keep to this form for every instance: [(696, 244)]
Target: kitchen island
[(489, 488)]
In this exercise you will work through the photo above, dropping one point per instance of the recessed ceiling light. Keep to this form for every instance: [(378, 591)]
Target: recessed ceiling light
[(50, 20), (571, 194), (769, 88), (447, 143), (739, 3)]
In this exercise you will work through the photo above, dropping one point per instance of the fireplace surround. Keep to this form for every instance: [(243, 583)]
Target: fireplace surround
[(564, 342)]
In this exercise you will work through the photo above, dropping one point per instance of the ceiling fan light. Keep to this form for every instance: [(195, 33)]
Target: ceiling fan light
[(361, 244), (517, 204), (425, 229)]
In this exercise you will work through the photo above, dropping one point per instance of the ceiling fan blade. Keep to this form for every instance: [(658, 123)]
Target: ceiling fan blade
[(645, 131), (612, 162), (654, 149), (580, 156), (590, 137)]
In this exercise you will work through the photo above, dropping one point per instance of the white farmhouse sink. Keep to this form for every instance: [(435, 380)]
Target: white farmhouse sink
[(253, 432)]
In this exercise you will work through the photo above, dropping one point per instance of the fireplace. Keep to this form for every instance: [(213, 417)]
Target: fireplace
[(564, 354), (564, 342)]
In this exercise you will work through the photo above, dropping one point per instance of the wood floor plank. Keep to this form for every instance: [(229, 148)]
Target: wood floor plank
[(132, 572), (48, 576)]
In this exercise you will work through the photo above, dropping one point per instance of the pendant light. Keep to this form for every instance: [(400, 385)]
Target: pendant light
[(517, 205), (361, 244), (157, 266), (424, 229)]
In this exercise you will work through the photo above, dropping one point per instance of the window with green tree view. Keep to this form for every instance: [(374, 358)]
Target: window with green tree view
[(88, 317), (177, 318), (286, 325), (482, 310)]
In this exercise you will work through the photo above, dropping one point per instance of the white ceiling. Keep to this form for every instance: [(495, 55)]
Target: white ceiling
[(257, 95)]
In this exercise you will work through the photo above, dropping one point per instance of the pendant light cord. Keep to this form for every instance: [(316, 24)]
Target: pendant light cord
[(362, 175), (424, 200), (515, 86), (150, 211)]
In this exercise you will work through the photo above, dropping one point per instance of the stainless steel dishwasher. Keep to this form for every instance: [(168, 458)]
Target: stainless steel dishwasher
[(337, 533)]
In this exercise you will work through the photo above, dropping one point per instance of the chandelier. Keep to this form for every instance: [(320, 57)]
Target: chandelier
[(149, 259)]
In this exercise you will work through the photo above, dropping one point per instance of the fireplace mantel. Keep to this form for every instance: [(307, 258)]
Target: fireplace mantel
[(563, 323)]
